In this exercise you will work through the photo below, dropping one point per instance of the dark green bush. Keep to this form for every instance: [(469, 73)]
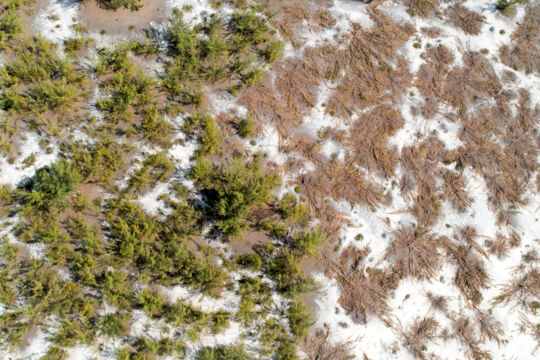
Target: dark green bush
[(50, 186), (299, 319), (133, 5), (113, 325), (223, 353), (55, 353), (232, 189), (245, 127)]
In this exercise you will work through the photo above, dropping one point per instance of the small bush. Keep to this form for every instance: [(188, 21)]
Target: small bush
[(113, 325), (231, 190), (245, 127), (223, 353), (117, 4), (299, 319), (55, 353), (50, 186)]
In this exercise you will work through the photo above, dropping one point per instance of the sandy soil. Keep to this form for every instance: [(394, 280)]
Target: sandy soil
[(122, 21)]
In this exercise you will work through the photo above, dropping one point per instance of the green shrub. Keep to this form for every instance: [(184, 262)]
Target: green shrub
[(284, 269), (98, 162), (155, 168), (248, 29), (272, 52), (250, 261), (223, 353), (116, 4), (232, 189), (507, 6), (55, 353), (113, 325), (10, 24), (307, 242), (299, 319), (50, 186), (211, 138), (245, 127), (71, 46)]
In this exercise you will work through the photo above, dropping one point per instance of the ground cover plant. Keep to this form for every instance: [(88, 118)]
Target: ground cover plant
[(256, 180)]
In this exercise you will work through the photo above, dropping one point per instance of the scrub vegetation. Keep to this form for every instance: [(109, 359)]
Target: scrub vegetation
[(178, 195)]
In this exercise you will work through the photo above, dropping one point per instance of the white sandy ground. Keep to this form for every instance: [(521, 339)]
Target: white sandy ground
[(408, 302)]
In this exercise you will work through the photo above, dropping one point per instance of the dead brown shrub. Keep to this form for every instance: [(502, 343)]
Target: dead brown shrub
[(521, 290), (341, 182), (453, 189), (489, 327), (464, 19), (463, 329), (469, 236), (416, 336), (422, 8), (470, 84), (524, 53), (413, 252), (297, 86), (438, 302), (499, 246), (318, 347), (471, 275), (368, 139), (366, 77), (364, 291)]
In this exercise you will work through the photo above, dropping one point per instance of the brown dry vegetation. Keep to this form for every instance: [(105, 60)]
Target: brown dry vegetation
[(318, 346), (413, 252), (464, 19), (471, 275), (521, 290), (464, 330), (368, 139), (416, 336), (422, 8), (524, 51), (364, 290)]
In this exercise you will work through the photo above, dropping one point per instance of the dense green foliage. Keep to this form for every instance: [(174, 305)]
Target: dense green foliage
[(84, 242), (229, 49), (50, 186), (232, 189), (223, 353)]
